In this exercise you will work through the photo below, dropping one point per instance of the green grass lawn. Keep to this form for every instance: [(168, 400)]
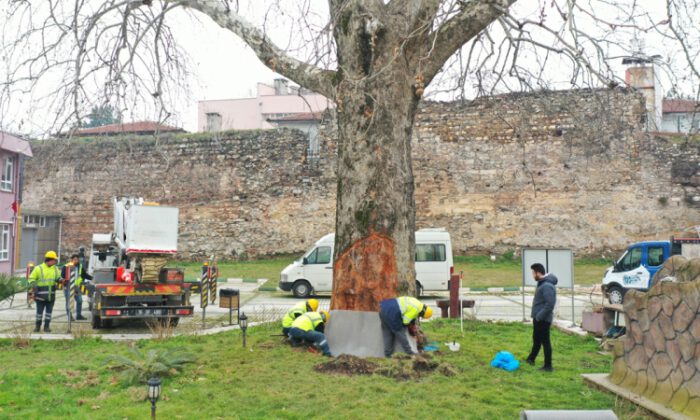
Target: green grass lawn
[(479, 271), (66, 379), (267, 268)]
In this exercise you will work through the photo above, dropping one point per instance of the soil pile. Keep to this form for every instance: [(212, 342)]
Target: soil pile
[(348, 365), (400, 368)]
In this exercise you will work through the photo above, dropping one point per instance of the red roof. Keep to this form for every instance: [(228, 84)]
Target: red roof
[(302, 116), (140, 127), (680, 106)]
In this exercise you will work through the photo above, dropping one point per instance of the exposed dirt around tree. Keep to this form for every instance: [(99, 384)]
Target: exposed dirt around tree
[(400, 368)]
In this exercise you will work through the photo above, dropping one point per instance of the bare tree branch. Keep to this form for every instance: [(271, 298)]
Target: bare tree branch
[(450, 36), (318, 80)]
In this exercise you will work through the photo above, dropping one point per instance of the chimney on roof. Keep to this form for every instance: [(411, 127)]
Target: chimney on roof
[(642, 76), (281, 87)]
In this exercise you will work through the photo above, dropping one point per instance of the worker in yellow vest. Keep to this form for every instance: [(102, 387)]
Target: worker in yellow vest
[(308, 328), (295, 312), (81, 275), (396, 315), (43, 281)]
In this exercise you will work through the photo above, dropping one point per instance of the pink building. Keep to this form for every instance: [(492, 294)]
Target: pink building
[(12, 151), (270, 103)]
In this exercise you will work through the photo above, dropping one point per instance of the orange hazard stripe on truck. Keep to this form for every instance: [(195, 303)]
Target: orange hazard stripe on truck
[(130, 290)]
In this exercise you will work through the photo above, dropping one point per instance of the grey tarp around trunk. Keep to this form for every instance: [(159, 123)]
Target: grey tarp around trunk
[(358, 333)]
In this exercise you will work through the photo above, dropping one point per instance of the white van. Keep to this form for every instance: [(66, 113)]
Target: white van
[(313, 272)]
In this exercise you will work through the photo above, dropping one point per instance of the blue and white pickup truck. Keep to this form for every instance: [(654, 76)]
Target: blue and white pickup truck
[(637, 266)]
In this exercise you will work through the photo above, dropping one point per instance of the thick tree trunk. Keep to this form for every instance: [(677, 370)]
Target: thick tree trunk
[(375, 215)]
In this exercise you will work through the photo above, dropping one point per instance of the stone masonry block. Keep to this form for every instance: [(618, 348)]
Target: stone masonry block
[(662, 365), (682, 317), (686, 345), (666, 326)]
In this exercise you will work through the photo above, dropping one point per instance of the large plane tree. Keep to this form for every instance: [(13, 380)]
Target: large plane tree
[(373, 58)]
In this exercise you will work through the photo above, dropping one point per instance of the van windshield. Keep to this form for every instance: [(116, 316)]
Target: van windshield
[(320, 255), (630, 260)]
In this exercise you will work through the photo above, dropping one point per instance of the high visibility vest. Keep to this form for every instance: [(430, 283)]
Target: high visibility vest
[(410, 308), (79, 279), (45, 278), (79, 275), (294, 313), (308, 321)]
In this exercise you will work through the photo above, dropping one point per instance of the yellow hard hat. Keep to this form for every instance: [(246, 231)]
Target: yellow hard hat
[(51, 255), (206, 263), (313, 304), (325, 315), (428, 312)]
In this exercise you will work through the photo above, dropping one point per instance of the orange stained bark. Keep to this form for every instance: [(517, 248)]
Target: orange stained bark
[(365, 274)]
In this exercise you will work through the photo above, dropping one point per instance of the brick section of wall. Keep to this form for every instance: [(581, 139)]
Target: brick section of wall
[(558, 169)]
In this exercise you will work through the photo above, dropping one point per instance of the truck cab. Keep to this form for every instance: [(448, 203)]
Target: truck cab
[(635, 269)]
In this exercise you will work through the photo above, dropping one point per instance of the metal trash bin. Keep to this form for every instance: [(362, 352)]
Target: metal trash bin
[(229, 298)]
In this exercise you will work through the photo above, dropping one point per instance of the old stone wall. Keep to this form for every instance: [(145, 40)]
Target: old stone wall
[(558, 169), (569, 169), (660, 353)]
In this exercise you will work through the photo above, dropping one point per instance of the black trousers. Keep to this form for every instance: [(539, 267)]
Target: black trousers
[(540, 338), (41, 306)]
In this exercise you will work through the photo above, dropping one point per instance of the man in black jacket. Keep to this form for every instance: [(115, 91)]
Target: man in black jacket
[(542, 314)]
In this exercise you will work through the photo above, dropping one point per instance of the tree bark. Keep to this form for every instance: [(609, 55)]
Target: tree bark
[(375, 214)]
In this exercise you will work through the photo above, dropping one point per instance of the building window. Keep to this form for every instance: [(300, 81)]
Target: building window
[(33, 221), (213, 122), (7, 174), (4, 242)]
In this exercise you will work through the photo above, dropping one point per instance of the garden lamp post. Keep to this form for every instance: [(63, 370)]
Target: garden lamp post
[(244, 325), (153, 394)]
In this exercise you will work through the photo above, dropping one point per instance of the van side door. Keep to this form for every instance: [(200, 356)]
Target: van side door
[(630, 271), (655, 255), (432, 267), (318, 268)]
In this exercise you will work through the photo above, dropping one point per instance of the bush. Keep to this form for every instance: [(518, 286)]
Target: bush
[(145, 365), (10, 286)]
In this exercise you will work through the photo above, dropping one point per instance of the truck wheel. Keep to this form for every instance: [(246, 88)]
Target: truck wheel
[(301, 289), (616, 294), (96, 322)]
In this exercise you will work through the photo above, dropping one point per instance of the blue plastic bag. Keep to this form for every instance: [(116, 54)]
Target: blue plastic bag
[(506, 361)]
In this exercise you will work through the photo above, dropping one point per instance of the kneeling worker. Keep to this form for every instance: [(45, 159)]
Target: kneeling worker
[(296, 311), (396, 315), (309, 328)]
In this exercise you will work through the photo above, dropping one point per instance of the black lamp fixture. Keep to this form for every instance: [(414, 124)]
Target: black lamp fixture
[(243, 321), (154, 389)]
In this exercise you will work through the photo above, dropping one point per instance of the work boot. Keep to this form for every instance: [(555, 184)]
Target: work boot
[(547, 369), (37, 327), (46, 328)]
